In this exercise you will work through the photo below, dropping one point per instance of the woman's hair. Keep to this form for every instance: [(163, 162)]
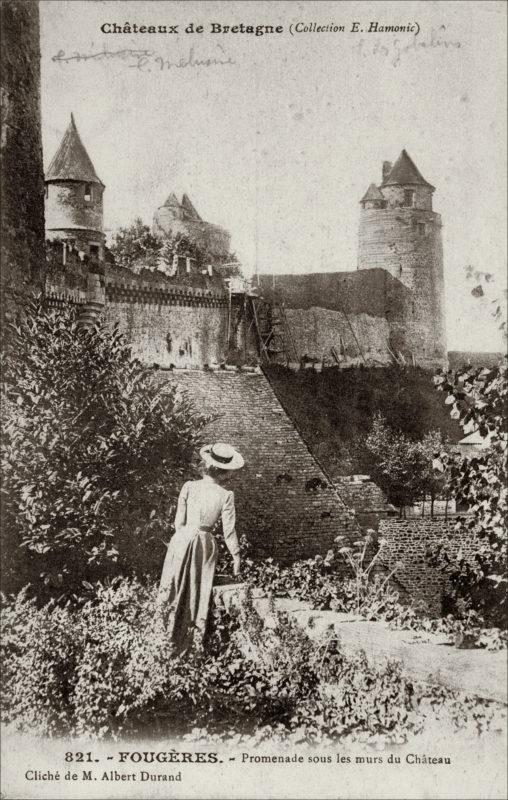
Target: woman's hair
[(216, 473)]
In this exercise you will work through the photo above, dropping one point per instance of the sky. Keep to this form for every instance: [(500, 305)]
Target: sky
[(278, 137)]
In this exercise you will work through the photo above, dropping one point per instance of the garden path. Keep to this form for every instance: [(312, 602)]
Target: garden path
[(425, 656)]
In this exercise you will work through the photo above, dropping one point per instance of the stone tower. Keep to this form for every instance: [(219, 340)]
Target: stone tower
[(74, 209), (401, 234), (180, 217), (22, 184)]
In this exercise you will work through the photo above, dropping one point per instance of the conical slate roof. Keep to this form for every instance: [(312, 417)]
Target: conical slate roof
[(372, 193), (403, 172), (172, 200), (71, 162), (189, 208)]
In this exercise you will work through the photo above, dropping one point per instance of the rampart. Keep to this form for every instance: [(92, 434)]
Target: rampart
[(361, 315), (286, 506), (169, 324)]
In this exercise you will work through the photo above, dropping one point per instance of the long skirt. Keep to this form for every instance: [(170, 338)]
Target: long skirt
[(186, 585)]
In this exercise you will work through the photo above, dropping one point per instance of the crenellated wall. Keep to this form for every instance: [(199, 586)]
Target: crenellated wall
[(169, 324)]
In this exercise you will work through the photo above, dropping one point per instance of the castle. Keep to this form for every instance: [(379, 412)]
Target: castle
[(390, 307), (73, 197), (175, 217)]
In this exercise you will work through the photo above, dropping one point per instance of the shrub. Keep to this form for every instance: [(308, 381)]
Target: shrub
[(344, 580), (93, 454), (362, 591), (478, 398), (106, 668)]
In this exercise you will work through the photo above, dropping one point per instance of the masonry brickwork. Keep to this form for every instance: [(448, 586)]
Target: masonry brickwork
[(358, 314), (369, 502), (409, 542), (286, 506), (169, 325), (22, 185)]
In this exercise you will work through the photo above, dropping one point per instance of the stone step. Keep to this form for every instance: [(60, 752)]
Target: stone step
[(425, 657)]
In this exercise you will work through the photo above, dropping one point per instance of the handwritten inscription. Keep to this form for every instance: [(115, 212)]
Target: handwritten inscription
[(395, 49), (147, 60)]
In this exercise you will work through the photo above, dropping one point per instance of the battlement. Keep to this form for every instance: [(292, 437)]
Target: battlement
[(159, 293)]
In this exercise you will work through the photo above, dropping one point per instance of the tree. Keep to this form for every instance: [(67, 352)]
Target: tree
[(93, 454), (135, 247), (402, 467)]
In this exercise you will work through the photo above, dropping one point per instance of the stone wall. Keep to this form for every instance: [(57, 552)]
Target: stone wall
[(22, 185), (362, 314), (169, 324), (286, 506), (360, 493), (408, 542), (358, 339)]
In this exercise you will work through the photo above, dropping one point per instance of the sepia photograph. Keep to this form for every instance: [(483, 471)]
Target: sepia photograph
[(254, 399)]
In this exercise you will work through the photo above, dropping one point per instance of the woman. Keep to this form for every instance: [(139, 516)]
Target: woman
[(187, 576)]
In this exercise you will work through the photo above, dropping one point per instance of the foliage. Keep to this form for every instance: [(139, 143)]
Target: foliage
[(402, 467), (478, 400), (107, 668), (135, 247), (93, 454), (344, 580), (334, 410), (364, 591)]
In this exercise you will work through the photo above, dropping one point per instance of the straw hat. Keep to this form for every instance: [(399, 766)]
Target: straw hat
[(221, 455)]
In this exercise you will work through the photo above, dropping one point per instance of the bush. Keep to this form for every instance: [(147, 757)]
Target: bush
[(478, 398), (107, 668), (93, 455), (346, 580)]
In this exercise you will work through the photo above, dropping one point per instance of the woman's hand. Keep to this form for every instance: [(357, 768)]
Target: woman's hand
[(236, 565)]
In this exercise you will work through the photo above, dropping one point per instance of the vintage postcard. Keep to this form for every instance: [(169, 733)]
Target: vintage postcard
[(254, 399)]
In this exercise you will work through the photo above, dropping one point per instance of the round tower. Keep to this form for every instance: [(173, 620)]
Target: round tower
[(401, 234), (74, 208)]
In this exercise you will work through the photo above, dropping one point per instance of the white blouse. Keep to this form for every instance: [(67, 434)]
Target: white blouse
[(201, 504)]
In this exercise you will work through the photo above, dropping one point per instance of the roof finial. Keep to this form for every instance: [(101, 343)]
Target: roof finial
[(73, 121)]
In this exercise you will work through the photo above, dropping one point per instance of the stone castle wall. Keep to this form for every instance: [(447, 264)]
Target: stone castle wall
[(356, 339), (409, 542), (169, 324), (357, 313), (22, 185), (286, 506)]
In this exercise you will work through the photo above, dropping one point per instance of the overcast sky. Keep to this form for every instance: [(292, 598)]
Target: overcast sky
[(279, 146)]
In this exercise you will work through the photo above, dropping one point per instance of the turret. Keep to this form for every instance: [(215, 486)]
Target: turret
[(401, 234), (74, 207)]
